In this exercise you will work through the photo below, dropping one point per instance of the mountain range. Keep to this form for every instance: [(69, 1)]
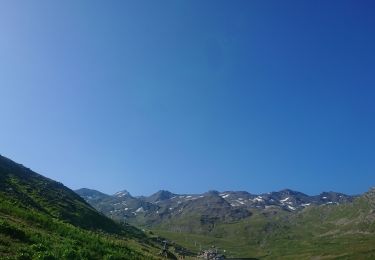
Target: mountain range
[(43, 219), (228, 205), (285, 224)]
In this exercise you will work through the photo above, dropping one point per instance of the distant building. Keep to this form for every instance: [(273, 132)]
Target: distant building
[(211, 254)]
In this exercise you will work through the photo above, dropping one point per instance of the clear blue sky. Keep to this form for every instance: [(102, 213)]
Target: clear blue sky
[(190, 95)]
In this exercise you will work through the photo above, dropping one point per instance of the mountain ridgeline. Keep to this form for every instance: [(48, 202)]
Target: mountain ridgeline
[(229, 205)]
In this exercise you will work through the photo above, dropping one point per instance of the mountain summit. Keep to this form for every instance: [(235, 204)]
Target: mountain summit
[(161, 195)]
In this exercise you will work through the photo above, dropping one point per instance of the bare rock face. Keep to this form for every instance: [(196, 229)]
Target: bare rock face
[(370, 196)]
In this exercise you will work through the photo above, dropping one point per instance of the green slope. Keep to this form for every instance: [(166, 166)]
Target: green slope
[(42, 219)]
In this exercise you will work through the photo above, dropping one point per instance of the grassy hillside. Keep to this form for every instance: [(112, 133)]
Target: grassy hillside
[(29, 189), (42, 219)]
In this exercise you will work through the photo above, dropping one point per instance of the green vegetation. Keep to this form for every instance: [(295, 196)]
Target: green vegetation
[(28, 234), (42, 219)]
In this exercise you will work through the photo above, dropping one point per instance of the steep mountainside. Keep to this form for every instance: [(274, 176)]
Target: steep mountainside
[(43, 219), (29, 189)]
